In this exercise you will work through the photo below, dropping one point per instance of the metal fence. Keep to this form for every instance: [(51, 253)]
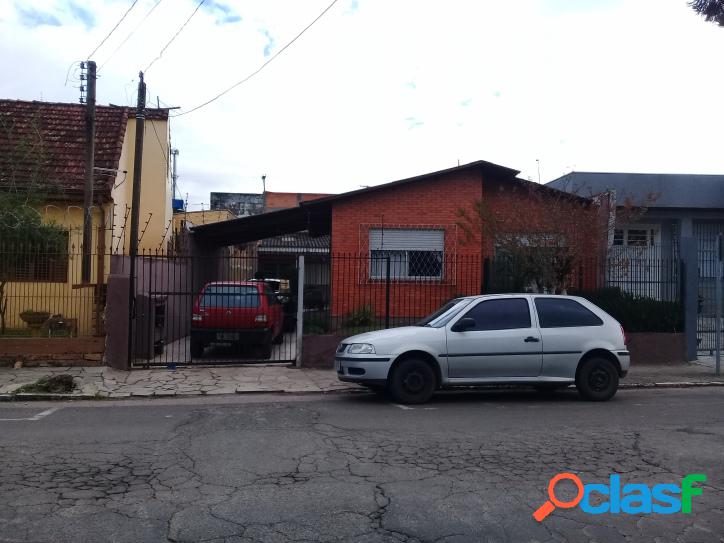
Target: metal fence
[(43, 293), (387, 289)]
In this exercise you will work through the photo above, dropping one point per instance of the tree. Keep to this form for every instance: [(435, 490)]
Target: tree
[(711, 10), (23, 185), (540, 236)]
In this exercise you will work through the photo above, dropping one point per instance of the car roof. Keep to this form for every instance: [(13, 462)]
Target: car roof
[(516, 294), (234, 283)]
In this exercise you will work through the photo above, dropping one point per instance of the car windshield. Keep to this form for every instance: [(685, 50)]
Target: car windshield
[(443, 315), (230, 296)]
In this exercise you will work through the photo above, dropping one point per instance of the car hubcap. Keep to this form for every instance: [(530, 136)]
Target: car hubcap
[(599, 379), (413, 381)]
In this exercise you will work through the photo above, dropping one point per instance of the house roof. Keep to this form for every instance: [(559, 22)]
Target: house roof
[(296, 243), (689, 191), (316, 215), (44, 142)]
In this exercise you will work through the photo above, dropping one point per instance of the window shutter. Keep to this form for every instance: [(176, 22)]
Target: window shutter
[(398, 239)]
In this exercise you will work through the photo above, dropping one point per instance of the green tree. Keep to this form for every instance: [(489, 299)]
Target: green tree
[(711, 10)]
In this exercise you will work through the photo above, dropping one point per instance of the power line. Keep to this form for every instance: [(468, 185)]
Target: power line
[(201, 3), (113, 29), (131, 33), (274, 56)]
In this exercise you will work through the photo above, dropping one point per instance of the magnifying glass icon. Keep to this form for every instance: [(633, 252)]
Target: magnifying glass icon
[(548, 507)]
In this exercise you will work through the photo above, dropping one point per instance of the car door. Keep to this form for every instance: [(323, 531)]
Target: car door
[(565, 325), (502, 343)]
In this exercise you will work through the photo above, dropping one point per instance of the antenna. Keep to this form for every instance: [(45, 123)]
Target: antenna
[(538, 163)]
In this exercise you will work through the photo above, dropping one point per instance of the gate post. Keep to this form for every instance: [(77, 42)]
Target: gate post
[(690, 267), (387, 294), (300, 310)]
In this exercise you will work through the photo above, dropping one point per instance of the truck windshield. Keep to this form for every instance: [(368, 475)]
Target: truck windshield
[(443, 315)]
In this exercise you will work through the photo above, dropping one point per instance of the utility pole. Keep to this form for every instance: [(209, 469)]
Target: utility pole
[(135, 204), (174, 176), (90, 147)]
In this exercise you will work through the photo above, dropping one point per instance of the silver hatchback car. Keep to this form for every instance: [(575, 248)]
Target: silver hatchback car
[(547, 341)]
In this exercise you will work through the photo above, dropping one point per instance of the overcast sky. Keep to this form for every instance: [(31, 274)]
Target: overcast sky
[(379, 90)]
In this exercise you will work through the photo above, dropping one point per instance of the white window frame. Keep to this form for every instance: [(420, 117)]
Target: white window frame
[(400, 260)]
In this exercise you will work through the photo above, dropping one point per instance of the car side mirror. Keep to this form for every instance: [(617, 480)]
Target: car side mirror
[(466, 323)]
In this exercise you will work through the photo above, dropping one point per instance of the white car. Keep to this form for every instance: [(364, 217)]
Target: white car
[(547, 341)]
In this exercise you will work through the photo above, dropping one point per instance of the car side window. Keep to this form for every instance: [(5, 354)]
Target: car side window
[(503, 314), (271, 297), (564, 313)]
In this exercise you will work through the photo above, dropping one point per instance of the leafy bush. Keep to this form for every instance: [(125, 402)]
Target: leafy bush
[(316, 325), (362, 316), (638, 313)]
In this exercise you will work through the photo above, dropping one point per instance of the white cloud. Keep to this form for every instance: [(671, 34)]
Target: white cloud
[(379, 90)]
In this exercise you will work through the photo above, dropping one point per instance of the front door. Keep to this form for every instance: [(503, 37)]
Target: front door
[(503, 342)]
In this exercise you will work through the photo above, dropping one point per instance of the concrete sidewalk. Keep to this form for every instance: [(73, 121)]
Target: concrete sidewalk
[(104, 382)]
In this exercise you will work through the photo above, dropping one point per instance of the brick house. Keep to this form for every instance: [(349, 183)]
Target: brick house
[(415, 225)]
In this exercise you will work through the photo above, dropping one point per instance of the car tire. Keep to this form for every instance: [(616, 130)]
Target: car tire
[(279, 339), (413, 381), (265, 351), (197, 347), (597, 380)]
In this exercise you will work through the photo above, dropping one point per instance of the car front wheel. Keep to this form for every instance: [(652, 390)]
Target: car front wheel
[(597, 380), (412, 381)]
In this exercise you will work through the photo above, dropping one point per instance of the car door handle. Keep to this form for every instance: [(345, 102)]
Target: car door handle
[(531, 339)]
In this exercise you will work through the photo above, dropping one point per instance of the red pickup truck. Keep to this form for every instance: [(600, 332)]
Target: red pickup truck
[(238, 313)]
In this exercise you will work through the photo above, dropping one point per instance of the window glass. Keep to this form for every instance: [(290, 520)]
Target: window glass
[(618, 237), (563, 313), (443, 315), (230, 296), (637, 237), (413, 264), (503, 314)]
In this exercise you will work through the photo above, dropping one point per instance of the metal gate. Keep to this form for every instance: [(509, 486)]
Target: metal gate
[(213, 310), (708, 265)]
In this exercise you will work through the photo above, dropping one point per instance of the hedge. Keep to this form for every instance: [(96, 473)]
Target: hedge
[(638, 313)]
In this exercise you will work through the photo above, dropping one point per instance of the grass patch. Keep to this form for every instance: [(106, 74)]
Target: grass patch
[(56, 384)]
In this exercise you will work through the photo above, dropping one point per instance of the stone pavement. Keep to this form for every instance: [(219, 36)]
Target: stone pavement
[(104, 382)]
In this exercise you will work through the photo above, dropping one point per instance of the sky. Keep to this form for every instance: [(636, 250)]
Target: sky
[(380, 90)]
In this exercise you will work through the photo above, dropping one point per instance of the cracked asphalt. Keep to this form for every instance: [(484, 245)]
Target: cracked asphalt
[(466, 467)]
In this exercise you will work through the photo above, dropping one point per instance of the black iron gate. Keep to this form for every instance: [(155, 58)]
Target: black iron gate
[(211, 310), (708, 265)]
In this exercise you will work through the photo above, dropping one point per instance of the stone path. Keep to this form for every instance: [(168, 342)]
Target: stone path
[(193, 381)]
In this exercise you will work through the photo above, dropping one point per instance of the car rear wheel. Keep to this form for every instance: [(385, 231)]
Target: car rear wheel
[(197, 346), (265, 351), (279, 339), (597, 380), (413, 381)]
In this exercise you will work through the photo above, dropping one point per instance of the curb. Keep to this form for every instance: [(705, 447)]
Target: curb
[(24, 397), (673, 384)]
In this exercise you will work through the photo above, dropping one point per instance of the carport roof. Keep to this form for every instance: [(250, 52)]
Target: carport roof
[(316, 215)]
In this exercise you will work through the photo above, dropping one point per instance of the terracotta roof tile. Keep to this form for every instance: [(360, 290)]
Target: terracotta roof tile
[(44, 142)]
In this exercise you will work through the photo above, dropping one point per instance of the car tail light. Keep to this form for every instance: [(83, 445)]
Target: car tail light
[(260, 318), (625, 337), (198, 316)]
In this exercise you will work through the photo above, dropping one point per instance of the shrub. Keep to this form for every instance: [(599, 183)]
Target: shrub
[(638, 313), (362, 316), (316, 325)]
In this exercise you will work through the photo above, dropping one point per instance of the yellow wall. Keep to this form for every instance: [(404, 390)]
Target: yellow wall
[(67, 298), (196, 218), (155, 188)]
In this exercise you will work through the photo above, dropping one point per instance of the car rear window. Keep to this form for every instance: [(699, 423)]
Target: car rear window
[(232, 296), (564, 313)]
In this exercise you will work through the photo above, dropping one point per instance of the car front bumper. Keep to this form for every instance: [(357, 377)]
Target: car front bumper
[(624, 360), (370, 369)]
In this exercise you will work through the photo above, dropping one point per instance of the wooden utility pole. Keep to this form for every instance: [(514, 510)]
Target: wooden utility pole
[(90, 147), (135, 204)]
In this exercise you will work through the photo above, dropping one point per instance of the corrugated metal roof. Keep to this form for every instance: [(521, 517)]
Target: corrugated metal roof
[(662, 190), (297, 242)]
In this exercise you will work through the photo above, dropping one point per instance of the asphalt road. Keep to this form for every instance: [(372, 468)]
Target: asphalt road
[(466, 467)]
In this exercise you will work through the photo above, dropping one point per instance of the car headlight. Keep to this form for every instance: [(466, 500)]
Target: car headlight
[(361, 348)]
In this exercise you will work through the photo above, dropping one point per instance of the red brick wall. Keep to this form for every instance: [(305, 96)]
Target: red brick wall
[(432, 202), (436, 202)]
